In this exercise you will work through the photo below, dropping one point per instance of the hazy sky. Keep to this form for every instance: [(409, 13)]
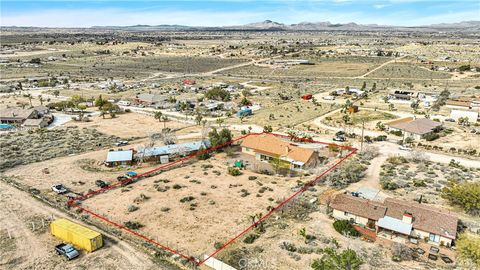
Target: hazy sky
[(234, 12)]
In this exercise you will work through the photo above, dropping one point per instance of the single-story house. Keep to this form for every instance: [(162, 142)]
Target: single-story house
[(413, 128), (267, 147), (463, 102), (120, 157), (358, 210), (403, 95), (398, 220), (17, 115), (148, 99), (164, 153), (472, 116), (36, 123)]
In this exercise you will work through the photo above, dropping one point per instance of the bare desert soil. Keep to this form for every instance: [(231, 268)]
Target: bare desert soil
[(127, 125), (217, 212), (27, 248)]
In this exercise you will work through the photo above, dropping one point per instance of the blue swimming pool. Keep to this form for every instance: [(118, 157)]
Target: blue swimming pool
[(6, 126)]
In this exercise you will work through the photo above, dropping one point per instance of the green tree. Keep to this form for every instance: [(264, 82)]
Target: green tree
[(218, 94), (56, 93), (468, 248), (466, 195), (279, 164), (82, 108), (346, 260), (99, 101), (158, 115), (219, 138)]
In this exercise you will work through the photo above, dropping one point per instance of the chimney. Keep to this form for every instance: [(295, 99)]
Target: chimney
[(407, 218)]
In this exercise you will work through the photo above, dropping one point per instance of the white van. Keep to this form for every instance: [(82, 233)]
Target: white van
[(123, 103)]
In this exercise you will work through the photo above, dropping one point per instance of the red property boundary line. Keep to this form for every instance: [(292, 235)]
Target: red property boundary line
[(176, 252)]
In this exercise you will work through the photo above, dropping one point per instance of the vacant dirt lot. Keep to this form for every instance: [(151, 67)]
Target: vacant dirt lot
[(195, 206), (127, 125)]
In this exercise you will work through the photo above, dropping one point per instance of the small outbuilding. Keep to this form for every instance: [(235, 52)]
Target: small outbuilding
[(121, 157)]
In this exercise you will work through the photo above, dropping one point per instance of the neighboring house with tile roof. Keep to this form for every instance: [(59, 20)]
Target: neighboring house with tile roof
[(267, 147), (398, 220), (17, 115), (414, 128)]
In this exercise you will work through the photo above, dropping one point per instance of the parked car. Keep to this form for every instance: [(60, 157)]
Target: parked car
[(405, 148), (67, 250), (101, 184), (122, 143), (59, 189), (339, 139), (121, 178), (449, 120)]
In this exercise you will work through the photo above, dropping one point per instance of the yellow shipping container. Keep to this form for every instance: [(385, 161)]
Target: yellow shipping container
[(76, 234)]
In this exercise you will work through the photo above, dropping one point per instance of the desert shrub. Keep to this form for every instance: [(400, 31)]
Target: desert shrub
[(176, 186), (345, 174), (347, 259), (141, 198), (252, 177), (187, 199), (288, 246), (466, 195), (133, 225), (249, 239), (396, 132), (401, 252), (397, 160), (468, 248), (132, 208), (344, 227), (388, 185), (234, 171), (431, 136)]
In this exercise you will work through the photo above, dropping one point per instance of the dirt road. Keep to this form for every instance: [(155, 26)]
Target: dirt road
[(23, 247)]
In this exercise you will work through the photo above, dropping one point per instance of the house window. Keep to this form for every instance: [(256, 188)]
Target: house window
[(434, 238)]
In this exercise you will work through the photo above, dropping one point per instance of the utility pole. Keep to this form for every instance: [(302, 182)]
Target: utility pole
[(361, 141)]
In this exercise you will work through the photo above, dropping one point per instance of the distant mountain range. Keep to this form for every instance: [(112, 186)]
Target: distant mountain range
[(268, 25)]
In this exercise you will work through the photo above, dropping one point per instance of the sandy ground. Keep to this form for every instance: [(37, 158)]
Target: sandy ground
[(193, 232), (127, 125), (29, 249)]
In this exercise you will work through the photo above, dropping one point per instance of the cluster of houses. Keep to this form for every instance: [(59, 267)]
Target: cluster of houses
[(36, 117), (397, 220)]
